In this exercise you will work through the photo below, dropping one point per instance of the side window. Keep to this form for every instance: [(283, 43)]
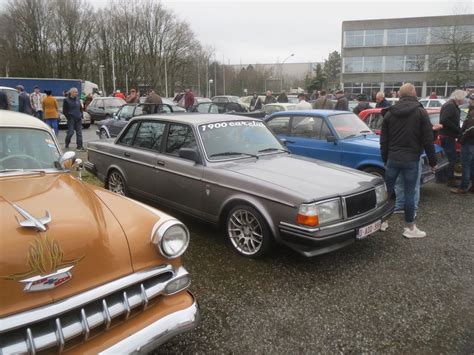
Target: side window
[(149, 135), (126, 112), (232, 106), (375, 121), (309, 127), (164, 109), (279, 125), (127, 138), (179, 136)]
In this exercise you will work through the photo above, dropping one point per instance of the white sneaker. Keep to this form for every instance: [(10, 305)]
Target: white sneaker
[(413, 233), (384, 226)]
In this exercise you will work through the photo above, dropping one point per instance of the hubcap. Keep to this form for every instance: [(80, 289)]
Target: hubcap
[(245, 232), (116, 183)]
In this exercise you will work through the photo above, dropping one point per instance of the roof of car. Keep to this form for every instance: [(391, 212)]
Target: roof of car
[(196, 118), (284, 104), (17, 119), (324, 113)]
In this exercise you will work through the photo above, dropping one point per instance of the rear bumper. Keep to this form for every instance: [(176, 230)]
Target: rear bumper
[(158, 332), (315, 241)]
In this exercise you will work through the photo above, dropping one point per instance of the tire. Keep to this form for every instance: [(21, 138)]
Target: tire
[(103, 134), (116, 183), (248, 232), (86, 126), (375, 171)]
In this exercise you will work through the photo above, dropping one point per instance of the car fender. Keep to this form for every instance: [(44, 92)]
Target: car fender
[(241, 198), (369, 162), (119, 169), (104, 127)]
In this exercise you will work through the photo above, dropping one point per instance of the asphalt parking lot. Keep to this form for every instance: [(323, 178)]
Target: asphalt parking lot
[(384, 294)]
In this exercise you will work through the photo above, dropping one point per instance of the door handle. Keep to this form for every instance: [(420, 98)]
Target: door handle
[(126, 154), (160, 163)]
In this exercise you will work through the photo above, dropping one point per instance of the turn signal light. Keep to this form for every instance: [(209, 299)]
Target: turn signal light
[(311, 221)]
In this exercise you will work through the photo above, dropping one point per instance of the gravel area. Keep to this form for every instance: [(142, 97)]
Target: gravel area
[(385, 294)]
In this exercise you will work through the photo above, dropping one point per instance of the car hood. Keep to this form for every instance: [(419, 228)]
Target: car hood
[(83, 233), (371, 141), (307, 178)]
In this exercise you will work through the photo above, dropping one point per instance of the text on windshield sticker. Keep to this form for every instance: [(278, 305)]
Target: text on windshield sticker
[(211, 126)]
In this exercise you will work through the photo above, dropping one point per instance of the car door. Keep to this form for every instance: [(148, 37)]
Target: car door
[(374, 121), (311, 136), (100, 110), (92, 109), (180, 180), (141, 156), (120, 120)]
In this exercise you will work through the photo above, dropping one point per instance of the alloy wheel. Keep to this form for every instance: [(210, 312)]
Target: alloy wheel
[(116, 183), (245, 232)]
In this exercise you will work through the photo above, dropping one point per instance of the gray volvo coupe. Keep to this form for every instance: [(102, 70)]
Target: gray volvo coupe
[(233, 171)]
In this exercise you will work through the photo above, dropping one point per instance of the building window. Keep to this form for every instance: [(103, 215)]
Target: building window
[(394, 63), (373, 38), (441, 34), (414, 63), (396, 36), (353, 64), (373, 64), (417, 35), (354, 38)]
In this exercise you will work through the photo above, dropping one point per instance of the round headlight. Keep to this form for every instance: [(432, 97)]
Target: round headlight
[(171, 238)]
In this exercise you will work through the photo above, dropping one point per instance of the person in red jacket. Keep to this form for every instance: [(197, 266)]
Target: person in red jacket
[(188, 99), (119, 94)]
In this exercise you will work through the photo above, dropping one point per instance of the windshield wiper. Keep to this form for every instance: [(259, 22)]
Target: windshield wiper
[(273, 150), (366, 131), (233, 153)]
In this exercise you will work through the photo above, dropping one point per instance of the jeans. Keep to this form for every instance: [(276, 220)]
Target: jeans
[(53, 123), (409, 173), (39, 114), (467, 161), (74, 124), (400, 191), (449, 146)]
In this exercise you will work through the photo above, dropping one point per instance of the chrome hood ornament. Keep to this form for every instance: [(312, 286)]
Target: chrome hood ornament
[(30, 221)]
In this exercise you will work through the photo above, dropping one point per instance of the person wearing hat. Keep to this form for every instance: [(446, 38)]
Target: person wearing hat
[(24, 104), (342, 104), (467, 151), (302, 103), (37, 103), (50, 107), (362, 105)]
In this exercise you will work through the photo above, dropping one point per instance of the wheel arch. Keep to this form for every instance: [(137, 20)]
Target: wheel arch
[(104, 127), (109, 171)]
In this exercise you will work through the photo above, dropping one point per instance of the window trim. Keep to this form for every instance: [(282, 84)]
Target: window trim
[(165, 141)]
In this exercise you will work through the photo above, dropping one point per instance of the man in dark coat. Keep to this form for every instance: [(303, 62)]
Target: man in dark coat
[(269, 98), (188, 100), (450, 118), (255, 103), (282, 98), (342, 104), (323, 102), (72, 109), (362, 105), (406, 132), (24, 104), (381, 101)]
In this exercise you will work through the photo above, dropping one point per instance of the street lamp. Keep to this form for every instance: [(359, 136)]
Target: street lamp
[(281, 70), (101, 78)]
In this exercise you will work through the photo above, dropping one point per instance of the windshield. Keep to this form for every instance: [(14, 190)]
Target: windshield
[(349, 125), (238, 139), (114, 103), (26, 148)]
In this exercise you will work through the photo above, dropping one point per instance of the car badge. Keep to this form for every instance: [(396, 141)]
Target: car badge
[(30, 221), (47, 267)]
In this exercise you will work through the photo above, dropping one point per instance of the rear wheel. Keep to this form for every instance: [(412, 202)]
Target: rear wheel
[(375, 171), (116, 183), (248, 232)]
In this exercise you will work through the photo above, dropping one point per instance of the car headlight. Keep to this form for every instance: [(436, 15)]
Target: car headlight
[(171, 238), (314, 214), (381, 193)]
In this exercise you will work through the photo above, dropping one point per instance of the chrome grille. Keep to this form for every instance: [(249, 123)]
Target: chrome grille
[(360, 203), (74, 320)]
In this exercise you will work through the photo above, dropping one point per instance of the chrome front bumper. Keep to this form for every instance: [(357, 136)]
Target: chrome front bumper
[(159, 332)]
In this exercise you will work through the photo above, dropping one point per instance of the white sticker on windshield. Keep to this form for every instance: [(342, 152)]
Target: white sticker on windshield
[(217, 125)]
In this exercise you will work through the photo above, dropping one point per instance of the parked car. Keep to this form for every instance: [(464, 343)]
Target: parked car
[(102, 108), (111, 127), (12, 96), (81, 269), (173, 104), (338, 137), (233, 171), (219, 107), (225, 98), (271, 108), (86, 118), (431, 103)]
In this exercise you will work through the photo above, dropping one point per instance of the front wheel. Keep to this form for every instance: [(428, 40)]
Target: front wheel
[(375, 171), (103, 134), (116, 183), (248, 232)]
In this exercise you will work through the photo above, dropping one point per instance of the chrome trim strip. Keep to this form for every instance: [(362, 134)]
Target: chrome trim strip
[(30, 341), (106, 313), (49, 311), (158, 332), (120, 158), (127, 305), (143, 296), (60, 335), (85, 324)]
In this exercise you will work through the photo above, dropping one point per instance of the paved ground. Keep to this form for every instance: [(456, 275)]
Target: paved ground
[(386, 294)]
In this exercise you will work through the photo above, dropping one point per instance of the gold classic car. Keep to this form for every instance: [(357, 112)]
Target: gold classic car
[(81, 269)]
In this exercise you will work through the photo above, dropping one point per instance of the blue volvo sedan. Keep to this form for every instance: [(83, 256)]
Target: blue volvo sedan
[(338, 137)]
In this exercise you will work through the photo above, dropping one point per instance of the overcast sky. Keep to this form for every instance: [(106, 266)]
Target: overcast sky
[(269, 31)]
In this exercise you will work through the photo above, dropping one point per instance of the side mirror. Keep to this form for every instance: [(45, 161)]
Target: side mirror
[(331, 139), (115, 117), (67, 160), (190, 154)]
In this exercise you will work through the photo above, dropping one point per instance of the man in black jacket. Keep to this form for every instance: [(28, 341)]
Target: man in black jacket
[(342, 104), (406, 132), (467, 152), (449, 117)]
